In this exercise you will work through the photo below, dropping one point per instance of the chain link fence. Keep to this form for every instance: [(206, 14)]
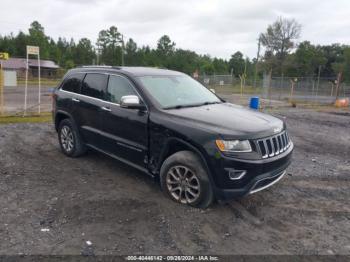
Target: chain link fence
[(298, 90), (295, 89)]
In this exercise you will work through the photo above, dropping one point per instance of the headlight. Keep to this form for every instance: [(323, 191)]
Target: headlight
[(234, 145)]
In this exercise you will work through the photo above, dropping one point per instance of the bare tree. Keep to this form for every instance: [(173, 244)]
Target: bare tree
[(279, 39)]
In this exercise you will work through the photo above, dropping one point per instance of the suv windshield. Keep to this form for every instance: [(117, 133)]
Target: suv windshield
[(178, 91)]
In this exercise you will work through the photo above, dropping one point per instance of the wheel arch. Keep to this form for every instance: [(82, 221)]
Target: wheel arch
[(174, 145), (61, 115)]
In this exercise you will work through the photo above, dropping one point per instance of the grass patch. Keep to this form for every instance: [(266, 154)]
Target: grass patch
[(43, 118)]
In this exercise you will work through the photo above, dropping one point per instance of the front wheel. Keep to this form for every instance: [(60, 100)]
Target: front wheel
[(184, 179)]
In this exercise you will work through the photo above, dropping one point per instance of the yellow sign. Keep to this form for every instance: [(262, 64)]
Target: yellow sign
[(4, 56), (32, 50)]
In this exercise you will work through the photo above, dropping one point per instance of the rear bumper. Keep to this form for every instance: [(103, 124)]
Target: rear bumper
[(259, 177)]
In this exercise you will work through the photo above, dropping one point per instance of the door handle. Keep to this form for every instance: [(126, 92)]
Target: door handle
[(75, 100), (106, 109)]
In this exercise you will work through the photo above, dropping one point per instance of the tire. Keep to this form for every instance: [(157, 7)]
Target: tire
[(196, 191), (69, 139)]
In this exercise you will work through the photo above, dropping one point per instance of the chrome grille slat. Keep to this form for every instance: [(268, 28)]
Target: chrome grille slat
[(279, 142), (274, 145), (284, 141), (272, 148), (286, 138), (266, 149)]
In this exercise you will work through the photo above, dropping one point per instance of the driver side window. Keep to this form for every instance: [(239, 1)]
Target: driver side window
[(117, 88)]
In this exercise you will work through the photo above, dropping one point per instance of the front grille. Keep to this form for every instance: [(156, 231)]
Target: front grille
[(274, 145)]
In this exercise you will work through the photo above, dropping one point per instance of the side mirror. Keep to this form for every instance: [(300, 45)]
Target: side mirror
[(132, 102)]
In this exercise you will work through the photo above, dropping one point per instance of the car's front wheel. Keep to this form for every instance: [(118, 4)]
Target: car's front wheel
[(70, 140), (184, 179)]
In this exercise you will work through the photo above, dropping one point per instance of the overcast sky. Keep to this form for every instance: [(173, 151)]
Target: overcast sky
[(215, 27)]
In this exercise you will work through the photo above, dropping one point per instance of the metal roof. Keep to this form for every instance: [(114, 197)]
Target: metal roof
[(20, 63)]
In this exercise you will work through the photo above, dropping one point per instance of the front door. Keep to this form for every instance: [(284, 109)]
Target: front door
[(125, 130)]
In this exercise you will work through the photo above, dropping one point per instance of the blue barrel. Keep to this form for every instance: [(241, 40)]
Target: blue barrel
[(254, 102)]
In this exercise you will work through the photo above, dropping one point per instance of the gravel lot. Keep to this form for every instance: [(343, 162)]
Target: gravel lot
[(51, 204)]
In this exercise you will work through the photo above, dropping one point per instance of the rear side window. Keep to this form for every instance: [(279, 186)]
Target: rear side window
[(73, 83), (94, 85), (117, 87)]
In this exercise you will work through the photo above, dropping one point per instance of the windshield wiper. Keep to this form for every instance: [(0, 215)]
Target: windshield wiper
[(180, 106), (192, 105), (210, 103)]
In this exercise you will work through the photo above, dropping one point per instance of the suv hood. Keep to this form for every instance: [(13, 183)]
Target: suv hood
[(230, 121)]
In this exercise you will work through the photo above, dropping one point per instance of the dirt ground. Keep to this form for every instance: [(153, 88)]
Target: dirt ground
[(51, 204)]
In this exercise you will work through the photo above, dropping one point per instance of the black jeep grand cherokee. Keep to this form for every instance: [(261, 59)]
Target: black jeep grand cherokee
[(170, 126)]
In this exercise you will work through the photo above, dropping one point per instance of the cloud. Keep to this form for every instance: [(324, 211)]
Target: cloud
[(215, 27)]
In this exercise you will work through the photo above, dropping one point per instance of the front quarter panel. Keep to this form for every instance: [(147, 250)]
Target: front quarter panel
[(165, 129)]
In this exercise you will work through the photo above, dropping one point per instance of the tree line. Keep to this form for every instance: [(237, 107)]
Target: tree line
[(281, 56)]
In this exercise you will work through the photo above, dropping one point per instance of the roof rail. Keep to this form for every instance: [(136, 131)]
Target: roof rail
[(100, 66)]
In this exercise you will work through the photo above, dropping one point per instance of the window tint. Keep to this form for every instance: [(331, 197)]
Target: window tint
[(94, 85), (73, 83), (118, 87)]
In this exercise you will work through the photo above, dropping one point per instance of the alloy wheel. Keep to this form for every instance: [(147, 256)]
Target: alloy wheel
[(183, 184), (67, 139)]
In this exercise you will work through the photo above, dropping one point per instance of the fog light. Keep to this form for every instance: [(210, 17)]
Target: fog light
[(236, 174)]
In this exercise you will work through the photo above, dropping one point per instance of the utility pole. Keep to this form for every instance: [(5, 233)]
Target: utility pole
[(3, 56), (338, 85), (122, 41), (318, 80), (256, 62), (245, 69), (98, 56), (1, 91)]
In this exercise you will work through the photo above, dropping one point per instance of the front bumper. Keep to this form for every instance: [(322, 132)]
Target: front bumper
[(261, 174)]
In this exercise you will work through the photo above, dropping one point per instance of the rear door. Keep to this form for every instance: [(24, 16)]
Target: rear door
[(89, 105), (126, 134), (69, 91)]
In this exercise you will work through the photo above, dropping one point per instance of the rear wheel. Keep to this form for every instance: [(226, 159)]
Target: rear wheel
[(70, 140), (184, 179)]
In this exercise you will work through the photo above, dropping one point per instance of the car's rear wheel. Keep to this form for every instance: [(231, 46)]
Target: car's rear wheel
[(184, 179), (70, 140)]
